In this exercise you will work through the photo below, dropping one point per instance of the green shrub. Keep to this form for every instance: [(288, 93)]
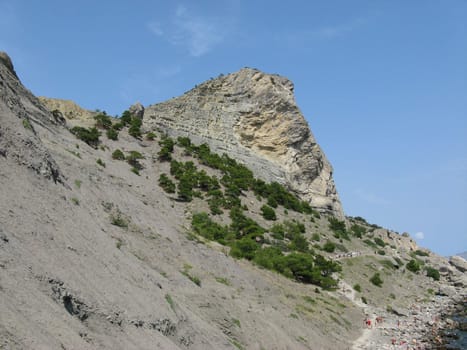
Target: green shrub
[(119, 221), (118, 155), (150, 136), (166, 184), (277, 231), (357, 230), (202, 224), (315, 237), (381, 252), (27, 124), (432, 272), (133, 159), (112, 134), (376, 280), (272, 202), (90, 136), (185, 188), (126, 118), (100, 162), (338, 227), (299, 243), (413, 265), (329, 247), (421, 253), (379, 242), (369, 243), (167, 147), (245, 247), (357, 287), (103, 121), (268, 213), (135, 127), (118, 126)]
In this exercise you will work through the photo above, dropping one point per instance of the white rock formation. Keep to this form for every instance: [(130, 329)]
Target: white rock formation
[(253, 117)]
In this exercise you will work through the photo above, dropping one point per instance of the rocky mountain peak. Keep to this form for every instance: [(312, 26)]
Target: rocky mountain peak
[(252, 116), (6, 61)]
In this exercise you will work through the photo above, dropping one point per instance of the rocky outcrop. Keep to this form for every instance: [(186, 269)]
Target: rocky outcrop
[(253, 117), (20, 114), (69, 109), (137, 110), (459, 263)]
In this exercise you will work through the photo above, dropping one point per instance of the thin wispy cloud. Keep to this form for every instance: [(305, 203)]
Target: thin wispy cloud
[(337, 30), (329, 31), (198, 34)]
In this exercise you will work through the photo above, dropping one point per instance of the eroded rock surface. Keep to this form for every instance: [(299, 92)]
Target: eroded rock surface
[(20, 114), (253, 117)]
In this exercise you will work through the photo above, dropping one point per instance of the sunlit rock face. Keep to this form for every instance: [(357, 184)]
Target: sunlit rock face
[(253, 117)]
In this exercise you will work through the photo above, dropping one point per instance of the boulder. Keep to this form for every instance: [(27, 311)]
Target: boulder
[(459, 263), (137, 110)]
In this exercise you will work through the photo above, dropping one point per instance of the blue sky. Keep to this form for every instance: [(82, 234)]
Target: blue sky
[(383, 84)]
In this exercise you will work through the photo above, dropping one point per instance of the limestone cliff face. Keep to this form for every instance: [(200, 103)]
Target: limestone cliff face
[(253, 117)]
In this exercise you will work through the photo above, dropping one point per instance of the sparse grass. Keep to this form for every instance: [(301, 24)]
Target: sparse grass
[(236, 322), (27, 125), (119, 243), (76, 154), (75, 200), (78, 183), (119, 221), (195, 279), (294, 316), (100, 162), (387, 263), (303, 309), (135, 170), (223, 280), (237, 344), (309, 299), (302, 339), (170, 301), (335, 319)]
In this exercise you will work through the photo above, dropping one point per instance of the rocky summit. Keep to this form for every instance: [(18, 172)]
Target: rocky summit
[(253, 117), (210, 221)]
